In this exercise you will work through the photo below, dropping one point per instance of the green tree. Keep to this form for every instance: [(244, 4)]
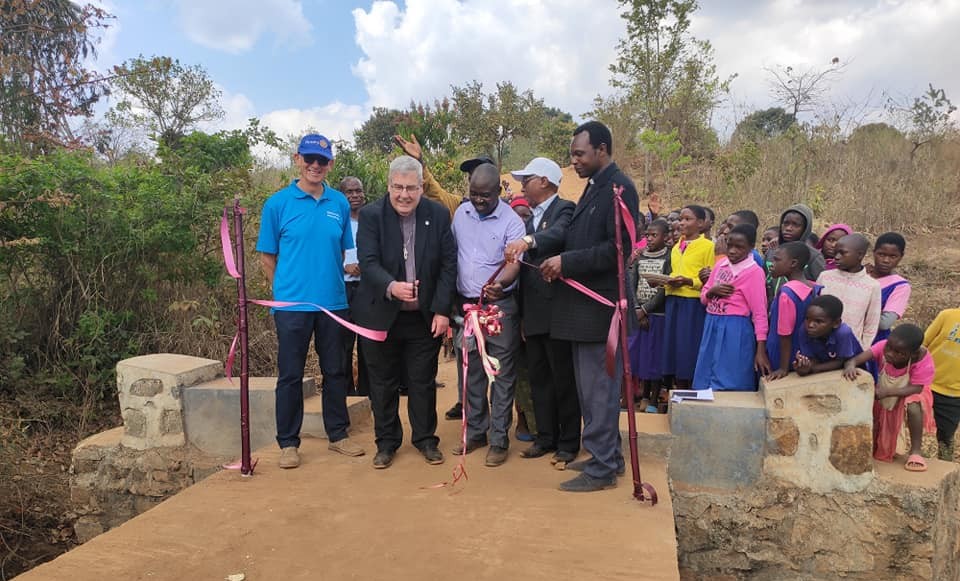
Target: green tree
[(487, 122), (665, 77), (763, 124), (926, 118), (43, 80), (166, 97), (376, 133)]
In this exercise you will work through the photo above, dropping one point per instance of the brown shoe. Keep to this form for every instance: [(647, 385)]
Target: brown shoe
[(289, 457), (346, 447), (471, 446), (496, 456)]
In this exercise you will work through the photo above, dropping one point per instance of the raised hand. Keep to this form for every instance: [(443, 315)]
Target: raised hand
[(411, 148)]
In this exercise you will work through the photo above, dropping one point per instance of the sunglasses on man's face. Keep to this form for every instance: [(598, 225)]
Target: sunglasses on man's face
[(312, 158)]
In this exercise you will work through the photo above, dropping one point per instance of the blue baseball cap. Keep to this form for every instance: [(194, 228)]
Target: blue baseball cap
[(315, 144)]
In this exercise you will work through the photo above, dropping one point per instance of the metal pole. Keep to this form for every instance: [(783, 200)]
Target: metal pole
[(628, 381), (246, 469)]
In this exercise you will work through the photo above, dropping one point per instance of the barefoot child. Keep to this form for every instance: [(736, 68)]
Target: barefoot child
[(825, 341), (733, 347), (858, 291), (828, 243), (789, 306), (647, 343), (684, 313), (894, 289), (943, 340), (906, 372)]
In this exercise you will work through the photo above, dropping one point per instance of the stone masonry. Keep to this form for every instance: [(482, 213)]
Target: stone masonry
[(150, 388), (820, 431)]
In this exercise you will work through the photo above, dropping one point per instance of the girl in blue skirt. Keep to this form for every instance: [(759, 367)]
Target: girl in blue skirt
[(684, 312), (734, 347)]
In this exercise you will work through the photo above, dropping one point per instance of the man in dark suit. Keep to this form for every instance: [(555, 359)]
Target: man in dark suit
[(408, 258), (549, 360), (588, 253)]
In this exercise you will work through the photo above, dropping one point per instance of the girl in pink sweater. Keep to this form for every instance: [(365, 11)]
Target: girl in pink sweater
[(733, 347)]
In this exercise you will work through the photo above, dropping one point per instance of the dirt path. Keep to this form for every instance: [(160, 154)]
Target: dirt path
[(337, 518)]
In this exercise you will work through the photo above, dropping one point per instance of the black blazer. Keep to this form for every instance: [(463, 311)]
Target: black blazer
[(536, 293), (380, 253), (589, 255)]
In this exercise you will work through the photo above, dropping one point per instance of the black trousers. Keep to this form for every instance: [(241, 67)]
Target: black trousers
[(362, 386), (408, 356), (555, 402)]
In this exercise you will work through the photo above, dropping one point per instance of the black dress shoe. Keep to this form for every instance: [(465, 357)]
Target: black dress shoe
[(454, 413), (383, 459), (579, 465), (563, 456), (586, 483), (432, 455), (535, 451)]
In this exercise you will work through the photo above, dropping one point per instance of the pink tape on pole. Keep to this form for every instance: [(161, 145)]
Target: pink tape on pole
[(228, 258)]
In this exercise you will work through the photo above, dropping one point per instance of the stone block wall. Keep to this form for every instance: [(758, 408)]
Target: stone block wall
[(149, 388), (820, 431), (111, 483)]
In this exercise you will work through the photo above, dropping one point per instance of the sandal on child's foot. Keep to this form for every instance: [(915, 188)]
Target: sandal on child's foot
[(915, 463)]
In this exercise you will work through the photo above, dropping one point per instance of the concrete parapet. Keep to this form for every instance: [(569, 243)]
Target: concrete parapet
[(358, 408), (653, 435), (149, 388), (820, 431), (212, 414), (718, 444)]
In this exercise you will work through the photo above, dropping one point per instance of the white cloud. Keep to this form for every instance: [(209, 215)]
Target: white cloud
[(559, 48), (337, 121), (234, 26), (893, 46)]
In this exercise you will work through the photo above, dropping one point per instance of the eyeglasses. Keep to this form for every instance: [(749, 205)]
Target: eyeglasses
[(400, 188), (528, 179), (312, 158)]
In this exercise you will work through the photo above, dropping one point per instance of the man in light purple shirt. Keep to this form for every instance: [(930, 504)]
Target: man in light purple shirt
[(482, 229)]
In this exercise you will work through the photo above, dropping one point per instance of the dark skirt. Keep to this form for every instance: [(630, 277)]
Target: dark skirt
[(726, 357), (681, 336), (646, 350)]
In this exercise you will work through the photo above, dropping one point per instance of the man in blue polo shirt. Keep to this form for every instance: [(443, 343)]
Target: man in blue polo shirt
[(304, 233)]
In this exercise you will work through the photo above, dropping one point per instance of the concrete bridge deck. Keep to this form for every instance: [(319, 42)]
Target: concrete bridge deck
[(338, 518)]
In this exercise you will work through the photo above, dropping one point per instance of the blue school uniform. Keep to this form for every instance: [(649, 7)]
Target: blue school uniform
[(885, 293), (840, 344), (773, 339)]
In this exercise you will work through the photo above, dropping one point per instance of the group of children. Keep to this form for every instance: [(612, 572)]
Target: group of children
[(715, 313)]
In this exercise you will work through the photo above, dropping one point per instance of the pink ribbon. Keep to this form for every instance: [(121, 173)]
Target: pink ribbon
[(231, 265)]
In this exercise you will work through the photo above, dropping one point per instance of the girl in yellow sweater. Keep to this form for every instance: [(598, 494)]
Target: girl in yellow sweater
[(685, 314), (942, 340)]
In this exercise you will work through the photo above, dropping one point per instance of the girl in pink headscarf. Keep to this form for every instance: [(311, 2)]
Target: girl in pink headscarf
[(828, 243)]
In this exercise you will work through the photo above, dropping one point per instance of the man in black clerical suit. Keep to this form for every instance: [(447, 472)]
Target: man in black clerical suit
[(408, 258), (549, 360)]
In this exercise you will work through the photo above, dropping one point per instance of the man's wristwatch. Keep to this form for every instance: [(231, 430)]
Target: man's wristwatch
[(529, 240)]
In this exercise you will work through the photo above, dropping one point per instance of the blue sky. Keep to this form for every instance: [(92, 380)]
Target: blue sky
[(326, 63), (273, 72)]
